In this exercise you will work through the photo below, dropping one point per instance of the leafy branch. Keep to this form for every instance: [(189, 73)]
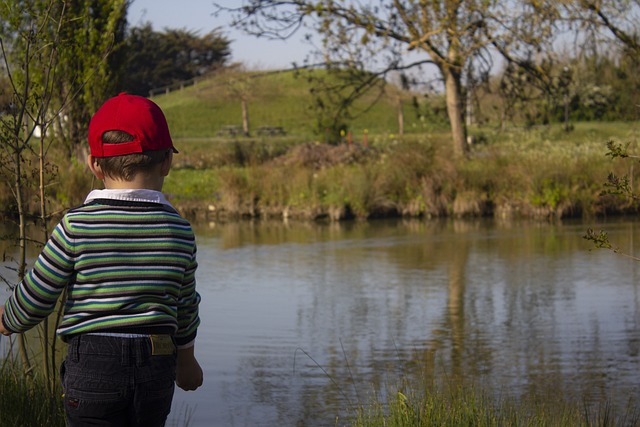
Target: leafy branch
[(600, 240), (619, 186)]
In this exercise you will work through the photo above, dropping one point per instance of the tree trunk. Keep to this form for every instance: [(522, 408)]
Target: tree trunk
[(453, 93), (567, 128), (22, 230), (245, 116), (45, 234), (400, 116)]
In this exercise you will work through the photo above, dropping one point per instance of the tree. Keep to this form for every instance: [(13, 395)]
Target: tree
[(333, 94), (90, 63), (30, 45), (239, 85), (394, 35), (158, 59), (618, 17), (54, 55)]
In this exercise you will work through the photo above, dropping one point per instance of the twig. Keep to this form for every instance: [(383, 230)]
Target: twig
[(322, 369)]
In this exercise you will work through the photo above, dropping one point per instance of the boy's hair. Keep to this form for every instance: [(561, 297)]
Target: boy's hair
[(128, 166)]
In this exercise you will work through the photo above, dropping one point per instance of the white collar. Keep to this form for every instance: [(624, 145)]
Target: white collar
[(139, 195)]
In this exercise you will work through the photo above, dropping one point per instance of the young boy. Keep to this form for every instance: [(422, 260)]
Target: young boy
[(127, 262)]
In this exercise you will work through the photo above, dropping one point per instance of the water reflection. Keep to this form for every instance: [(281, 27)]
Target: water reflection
[(303, 321)]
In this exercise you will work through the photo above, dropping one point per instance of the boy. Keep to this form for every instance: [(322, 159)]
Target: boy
[(127, 261)]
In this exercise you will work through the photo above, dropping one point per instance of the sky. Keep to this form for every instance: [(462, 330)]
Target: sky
[(197, 15)]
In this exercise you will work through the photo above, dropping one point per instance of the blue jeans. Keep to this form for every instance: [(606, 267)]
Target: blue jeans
[(115, 381)]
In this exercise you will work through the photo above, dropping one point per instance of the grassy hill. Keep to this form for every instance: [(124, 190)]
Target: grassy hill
[(275, 99), (539, 171)]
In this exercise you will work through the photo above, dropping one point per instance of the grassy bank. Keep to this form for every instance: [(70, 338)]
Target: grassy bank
[(535, 173), (540, 172), (457, 406), (518, 173), (25, 401)]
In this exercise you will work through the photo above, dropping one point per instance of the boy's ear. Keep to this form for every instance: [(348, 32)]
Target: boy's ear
[(166, 164), (95, 168)]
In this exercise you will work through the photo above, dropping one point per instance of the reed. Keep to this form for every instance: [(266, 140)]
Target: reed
[(529, 174), (26, 400), (449, 405)]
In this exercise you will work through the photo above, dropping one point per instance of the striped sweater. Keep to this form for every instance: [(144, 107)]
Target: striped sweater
[(127, 266)]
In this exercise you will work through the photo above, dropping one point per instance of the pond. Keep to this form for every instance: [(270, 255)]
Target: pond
[(303, 321)]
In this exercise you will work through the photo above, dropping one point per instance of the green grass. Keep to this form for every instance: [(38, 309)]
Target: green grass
[(26, 401), (541, 172), (455, 406), (276, 99)]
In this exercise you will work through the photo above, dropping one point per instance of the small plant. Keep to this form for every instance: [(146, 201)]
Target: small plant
[(618, 186)]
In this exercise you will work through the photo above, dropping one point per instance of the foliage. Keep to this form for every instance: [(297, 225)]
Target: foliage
[(51, 50), (401, 35), (593, 79), (456, 37), (91, 59), (30, 50), (334, 93), (546, 83), (159, 59), (537, 173), (618, 18), (620, 186)]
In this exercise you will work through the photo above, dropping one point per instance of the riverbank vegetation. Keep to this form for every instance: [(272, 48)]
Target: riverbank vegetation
[(27, 400), (433, 405), (535, 173), (540, 173)]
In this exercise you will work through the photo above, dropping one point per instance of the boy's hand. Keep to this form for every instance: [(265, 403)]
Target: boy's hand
[(188, 370), (3, 330)]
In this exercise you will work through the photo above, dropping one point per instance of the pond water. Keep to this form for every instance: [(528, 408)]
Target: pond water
[(302, 321)]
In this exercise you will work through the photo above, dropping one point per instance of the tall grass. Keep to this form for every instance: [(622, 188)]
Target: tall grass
[(539, 173), (26, 400), (535, 173), (454, 405)]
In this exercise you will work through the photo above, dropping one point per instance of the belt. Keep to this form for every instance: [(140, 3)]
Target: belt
[(161, 345)]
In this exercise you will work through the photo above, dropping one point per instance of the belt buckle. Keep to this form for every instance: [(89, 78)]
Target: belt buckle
[(161, 345)]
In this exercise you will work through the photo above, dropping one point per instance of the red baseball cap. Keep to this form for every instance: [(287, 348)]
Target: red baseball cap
[(136, 115)]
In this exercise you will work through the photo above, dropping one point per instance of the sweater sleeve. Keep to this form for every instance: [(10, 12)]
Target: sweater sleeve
[(188, 302), (35, 297)]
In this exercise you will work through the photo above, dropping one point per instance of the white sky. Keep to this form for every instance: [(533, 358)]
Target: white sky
[(197, 15)]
